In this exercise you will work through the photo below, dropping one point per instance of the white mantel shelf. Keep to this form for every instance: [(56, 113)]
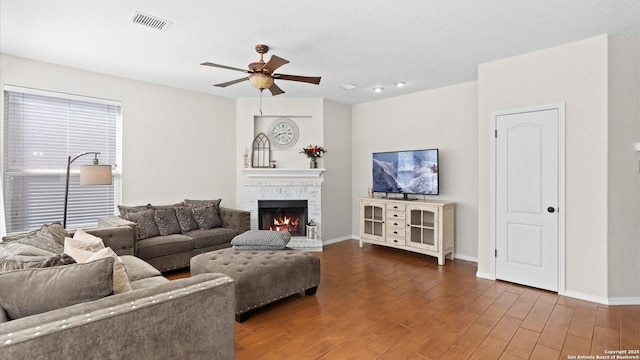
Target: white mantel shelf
[(282, 173)]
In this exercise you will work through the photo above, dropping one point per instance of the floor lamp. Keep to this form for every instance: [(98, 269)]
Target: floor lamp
[(89, 175)]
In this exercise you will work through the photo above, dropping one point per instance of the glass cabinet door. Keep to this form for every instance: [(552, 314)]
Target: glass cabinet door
[(422, 227), (373, 221)]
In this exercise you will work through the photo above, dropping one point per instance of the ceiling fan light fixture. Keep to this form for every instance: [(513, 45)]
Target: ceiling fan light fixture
[(261, 81)]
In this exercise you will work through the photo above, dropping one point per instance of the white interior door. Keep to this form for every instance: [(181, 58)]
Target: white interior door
[(527, 198)]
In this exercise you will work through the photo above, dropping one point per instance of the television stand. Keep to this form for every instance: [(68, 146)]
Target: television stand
[(425, 227)]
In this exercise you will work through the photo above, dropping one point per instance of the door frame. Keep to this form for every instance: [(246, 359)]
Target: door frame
[(560, 107)]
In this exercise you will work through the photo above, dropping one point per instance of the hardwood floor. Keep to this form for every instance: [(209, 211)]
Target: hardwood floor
[(383, 303)]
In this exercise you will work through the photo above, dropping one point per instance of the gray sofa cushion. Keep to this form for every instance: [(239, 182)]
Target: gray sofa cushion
[(145, 223), (33, 291), (148, 282), (18, 262), (48, 237), (211, 237), (138, 269), (261, 240), (166, 221), (164, 245)]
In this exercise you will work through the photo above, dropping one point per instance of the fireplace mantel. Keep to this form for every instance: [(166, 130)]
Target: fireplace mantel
[(282, 173)]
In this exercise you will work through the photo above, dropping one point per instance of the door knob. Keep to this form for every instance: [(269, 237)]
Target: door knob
[(551, 209)]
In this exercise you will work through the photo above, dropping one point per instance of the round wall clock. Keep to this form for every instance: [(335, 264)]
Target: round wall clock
[(283, 133)]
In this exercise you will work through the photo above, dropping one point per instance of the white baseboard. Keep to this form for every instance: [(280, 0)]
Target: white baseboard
[(336, 240), (583, 296), (602, 300), (624, 301), (465, 257), (484, 275)]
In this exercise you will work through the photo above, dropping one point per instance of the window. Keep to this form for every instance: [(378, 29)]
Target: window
[(41, 130)]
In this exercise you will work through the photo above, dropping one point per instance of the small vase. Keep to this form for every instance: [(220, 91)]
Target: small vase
[(313, 164)]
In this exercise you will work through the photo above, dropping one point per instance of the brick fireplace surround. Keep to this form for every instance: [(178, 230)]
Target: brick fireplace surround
[(288, 189)]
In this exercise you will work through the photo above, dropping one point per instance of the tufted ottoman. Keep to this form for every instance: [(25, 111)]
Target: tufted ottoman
[(261, 276)]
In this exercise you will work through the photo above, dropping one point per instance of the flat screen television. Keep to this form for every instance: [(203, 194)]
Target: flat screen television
[(406, 172)]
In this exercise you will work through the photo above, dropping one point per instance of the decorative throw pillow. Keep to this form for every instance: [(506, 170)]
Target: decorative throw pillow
[(261, 240), (85, 241), (166, 221), (4, 252), (144, 222), (201, 203), (172, 206), (185, 219), (33, 291), (15, 248), (18, 262), (206, 218), (121, 281), (124, 210), (48, 237), (75, 250)]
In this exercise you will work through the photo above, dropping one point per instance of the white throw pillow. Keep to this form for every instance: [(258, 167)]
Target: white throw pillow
[(121, 281), (78, 254), (80, 250), (85, 241)]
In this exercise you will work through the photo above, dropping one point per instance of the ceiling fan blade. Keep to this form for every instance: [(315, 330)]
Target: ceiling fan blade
[(275, 90), (307, 79), (274, 63), (225, 84), (223, 66)]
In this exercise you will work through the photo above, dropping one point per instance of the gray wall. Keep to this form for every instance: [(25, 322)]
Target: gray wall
[(171, 137), (623, 165), (444, 118)]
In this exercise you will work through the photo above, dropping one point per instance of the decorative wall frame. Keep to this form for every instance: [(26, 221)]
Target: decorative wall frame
[(261, 152)]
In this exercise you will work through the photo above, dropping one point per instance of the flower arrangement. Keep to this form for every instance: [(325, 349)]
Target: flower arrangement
[(313, 152)]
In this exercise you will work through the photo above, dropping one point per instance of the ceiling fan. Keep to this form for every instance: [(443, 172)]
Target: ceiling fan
[(261, 74)]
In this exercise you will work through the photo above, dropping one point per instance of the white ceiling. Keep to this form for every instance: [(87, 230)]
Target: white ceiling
[(427, 43)]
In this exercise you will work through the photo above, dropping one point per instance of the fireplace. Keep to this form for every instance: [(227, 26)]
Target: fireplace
[(286, 190), (283, 215)]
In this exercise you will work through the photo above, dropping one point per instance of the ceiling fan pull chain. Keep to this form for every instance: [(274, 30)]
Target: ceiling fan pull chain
[(260, 102)]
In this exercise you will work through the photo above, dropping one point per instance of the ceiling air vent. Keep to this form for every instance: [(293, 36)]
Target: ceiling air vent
[(150, 21)]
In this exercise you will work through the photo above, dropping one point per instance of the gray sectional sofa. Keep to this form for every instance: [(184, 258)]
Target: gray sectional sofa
[(175, 246), (189, 318)]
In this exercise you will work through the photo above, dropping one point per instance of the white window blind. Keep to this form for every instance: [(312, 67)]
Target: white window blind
[(41, 130)]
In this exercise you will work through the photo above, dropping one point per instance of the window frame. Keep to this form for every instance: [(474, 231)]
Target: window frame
[(57, 171)]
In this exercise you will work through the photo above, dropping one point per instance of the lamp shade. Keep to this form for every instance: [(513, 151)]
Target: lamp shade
[(261, 81), (95, 175)]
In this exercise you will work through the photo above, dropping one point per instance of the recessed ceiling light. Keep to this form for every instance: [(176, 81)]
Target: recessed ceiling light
[(348, 86), (378, 89), (401, 84)]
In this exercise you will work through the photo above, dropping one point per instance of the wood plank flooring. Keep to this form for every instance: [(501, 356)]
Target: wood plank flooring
[(383, 303)]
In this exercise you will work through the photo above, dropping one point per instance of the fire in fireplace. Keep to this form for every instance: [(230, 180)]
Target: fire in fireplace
[(283, 215)]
